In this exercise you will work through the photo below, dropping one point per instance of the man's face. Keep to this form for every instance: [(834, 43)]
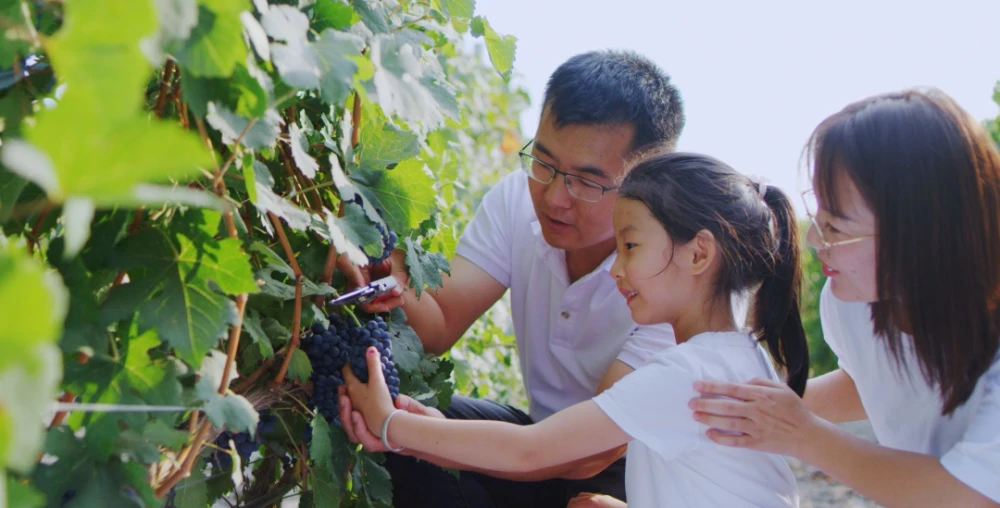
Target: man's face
[(595, 152)]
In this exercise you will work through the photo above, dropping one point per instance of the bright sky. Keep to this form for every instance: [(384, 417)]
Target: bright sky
[(757, 77)]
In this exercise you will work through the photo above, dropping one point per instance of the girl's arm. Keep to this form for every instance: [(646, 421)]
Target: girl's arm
[(579, 431), (771, 418), (834, 398)]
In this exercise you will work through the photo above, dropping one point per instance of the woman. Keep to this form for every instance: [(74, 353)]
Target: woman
[(907, 224)]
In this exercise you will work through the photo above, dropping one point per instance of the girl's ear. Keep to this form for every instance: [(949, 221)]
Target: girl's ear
[(703, 250)]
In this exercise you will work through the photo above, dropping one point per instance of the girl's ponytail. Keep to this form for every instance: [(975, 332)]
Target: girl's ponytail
[(775, 308)]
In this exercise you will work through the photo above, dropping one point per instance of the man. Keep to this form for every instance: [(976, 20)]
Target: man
[(546, 234)]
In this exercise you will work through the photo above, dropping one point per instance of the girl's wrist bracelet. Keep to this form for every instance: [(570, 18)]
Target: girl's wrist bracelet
[(385, 431)]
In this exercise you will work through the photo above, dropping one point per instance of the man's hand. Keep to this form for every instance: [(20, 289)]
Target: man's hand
[(356, 427), (590, 500), (358, 276)]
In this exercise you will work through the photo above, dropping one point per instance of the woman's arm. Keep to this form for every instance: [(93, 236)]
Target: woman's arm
[(576, 432), (771, 418), (834, 398)]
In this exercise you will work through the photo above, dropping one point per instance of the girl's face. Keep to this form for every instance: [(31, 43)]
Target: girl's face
[(647, 270), (848, 260)]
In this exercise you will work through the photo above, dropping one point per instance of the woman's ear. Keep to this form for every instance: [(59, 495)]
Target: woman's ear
[(702, 252)]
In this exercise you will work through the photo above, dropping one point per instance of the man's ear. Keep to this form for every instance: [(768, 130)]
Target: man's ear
[(702, 251)]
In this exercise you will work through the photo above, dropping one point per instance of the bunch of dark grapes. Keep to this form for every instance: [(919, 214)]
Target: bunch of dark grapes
[(342, 343), (245, 445), (388, 244)]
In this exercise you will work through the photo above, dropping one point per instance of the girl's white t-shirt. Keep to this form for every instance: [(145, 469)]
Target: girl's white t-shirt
[(671, 462), (905, 410)]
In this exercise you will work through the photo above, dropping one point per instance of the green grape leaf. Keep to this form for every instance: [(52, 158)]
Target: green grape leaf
[(162, 434), (252, 325), (500, 48), (22, 495), (177, 18), (68, 149), (256, 35), (331, 230), (333, 14), (360, 230), (425, 267), (321, 448), (248, 91), (336, 52), (35, 304), (431, 383), (374, 13), (299, 368), (178, 270), (105, 484), (229, 410), (382, 143), (262, 134), (26, 387), (405, 194), (137, 379), (191, 492), (325, 488), (268, 201), (215, 45), (14, 46), (300, 152), (407, 349), (458, 10), (409, 83), (11, 186), (374, 479)]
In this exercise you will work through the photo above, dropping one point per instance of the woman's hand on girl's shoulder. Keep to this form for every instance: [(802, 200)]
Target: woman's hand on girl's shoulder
[(591, 500), (762, 415)]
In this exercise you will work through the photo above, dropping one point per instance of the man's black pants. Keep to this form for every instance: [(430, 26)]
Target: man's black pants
[(417, 483)]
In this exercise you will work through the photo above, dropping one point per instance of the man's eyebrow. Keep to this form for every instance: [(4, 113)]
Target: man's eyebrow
[(586, 169)]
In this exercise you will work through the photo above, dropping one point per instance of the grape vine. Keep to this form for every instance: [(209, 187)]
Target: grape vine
[(177, 180)]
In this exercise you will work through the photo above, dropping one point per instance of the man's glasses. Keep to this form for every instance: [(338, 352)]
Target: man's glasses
[(578, 186), (829, 239)]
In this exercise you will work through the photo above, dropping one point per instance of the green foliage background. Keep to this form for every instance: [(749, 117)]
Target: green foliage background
[(177, 178)]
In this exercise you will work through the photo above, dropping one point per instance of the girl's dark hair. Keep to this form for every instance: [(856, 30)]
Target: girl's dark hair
[(931, 176), (756, 235)]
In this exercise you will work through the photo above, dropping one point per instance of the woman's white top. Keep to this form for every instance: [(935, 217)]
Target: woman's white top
[(905, 410)]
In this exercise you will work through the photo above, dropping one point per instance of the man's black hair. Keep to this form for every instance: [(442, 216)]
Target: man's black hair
[(611, 87)]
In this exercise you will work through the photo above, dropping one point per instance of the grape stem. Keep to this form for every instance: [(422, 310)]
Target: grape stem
[(161, 99)]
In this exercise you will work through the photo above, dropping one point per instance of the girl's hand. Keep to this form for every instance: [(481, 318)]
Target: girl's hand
[(767, 416), (590, 500), (357, 429), (372, 400)]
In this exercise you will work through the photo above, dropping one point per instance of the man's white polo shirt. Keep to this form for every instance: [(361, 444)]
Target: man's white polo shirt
[(568, 335)]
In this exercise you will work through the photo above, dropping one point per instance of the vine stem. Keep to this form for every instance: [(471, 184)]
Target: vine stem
[(293, 341), (328, 267), (161, 99), (192, 454), (356, 120), (37, 228), (61, 415)]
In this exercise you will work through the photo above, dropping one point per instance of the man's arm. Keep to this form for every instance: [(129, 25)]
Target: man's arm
[(439, 317)]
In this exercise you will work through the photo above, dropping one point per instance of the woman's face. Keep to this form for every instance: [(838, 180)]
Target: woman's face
[(845, 244)]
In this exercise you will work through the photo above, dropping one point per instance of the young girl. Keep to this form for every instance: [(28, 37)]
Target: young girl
[(690, 233), (908, 229)]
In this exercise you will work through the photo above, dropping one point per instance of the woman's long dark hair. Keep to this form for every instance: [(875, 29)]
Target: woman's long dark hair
[(931, 176), (756, 235)]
